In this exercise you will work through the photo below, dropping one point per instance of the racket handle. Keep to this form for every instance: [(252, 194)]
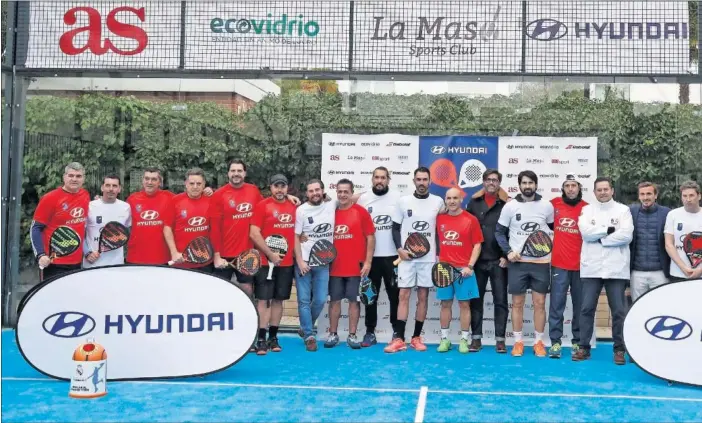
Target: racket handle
[(270, 271), (396, 262), (171, 262)]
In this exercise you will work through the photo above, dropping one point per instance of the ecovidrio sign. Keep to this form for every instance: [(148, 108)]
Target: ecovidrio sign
[(663, 332), (154, 322)]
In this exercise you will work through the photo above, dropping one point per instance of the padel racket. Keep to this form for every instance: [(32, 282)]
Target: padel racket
[(692, 246), (443, 274), (279, 245), (113, 235), (247, 262), (63, 242), (443, 173), (538, 244), (322, 253), (367, 291), (198, 251), (417, 245)]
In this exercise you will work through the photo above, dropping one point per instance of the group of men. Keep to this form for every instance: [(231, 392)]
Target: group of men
[(605, 244)]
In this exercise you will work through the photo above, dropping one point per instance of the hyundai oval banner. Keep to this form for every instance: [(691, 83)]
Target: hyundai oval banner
[(663, 332), (154, 322)]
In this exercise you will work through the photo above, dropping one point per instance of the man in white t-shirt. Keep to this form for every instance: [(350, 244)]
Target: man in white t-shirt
[(381, 203), (101, 211), (315, 219), (684, 226), (415, 213)]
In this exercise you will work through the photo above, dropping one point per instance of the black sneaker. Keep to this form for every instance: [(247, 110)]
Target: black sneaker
[(501, 347), (581, 355), (619, 358), (475, 345), (261, 347), (273, 345)]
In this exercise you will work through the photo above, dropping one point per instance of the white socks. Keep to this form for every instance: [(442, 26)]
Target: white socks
[(537, 337), (444, 333), (464, 334), (517, 336)]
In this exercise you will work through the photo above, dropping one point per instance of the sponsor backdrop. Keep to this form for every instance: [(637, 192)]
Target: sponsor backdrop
[(551, 159), (663, 332), (468, 155), (485, 37), (153, 322), (457, 161), (354, 157)]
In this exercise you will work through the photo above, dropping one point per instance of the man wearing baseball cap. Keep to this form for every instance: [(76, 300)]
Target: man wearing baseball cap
[(565, 263), (273, 216)]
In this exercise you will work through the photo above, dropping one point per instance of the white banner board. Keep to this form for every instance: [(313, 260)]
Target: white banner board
[(153, 321)]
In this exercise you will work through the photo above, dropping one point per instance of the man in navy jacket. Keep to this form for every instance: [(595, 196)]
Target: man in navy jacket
[(650, 264)]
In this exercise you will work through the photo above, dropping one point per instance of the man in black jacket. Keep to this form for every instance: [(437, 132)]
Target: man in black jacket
[(486, 205)]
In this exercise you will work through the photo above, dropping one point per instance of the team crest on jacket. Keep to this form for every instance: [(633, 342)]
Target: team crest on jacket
[(275, 213), (680, 226), (519, 217), (138, 208), (64, 206), (614, 221), (310, 219), (98, 219), (232, 203), (409, 213), (370, 209), (184, 213)]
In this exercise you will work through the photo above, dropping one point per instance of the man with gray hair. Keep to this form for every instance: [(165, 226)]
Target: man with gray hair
[(64, 206), (650, 264)]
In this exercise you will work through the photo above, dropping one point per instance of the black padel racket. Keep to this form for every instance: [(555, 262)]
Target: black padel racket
[(692, 246), (113, 235), (538, 244), (279, 245), (63, 242), (443, 274), (247, 262), (417, 245), (322, 253), (367, 292), (198, 251)]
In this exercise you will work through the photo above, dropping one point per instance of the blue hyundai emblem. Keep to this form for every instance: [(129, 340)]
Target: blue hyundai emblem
[(69, 324), (668, 328)]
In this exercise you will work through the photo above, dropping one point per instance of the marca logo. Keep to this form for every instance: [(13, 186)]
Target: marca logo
[(94, 41), (164, 308)]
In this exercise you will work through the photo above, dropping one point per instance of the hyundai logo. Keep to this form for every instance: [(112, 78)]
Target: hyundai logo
[(382, 219), (322, 228), (546, 30), (244, 207), (69, 324), (77, 212), (285, 218), (149, 215), (567, 222), (438, 149), (341, 229), (668, 328), (451, 235), (197, 221), (420, 225), (530, 226)]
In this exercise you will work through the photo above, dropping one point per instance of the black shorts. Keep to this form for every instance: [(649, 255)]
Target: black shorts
[(55, 270), (228, 271), (277, 289), (523, 276), (208, 268), (341, 287)]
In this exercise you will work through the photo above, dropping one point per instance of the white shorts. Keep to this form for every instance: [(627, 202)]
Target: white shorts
[(411, 274)]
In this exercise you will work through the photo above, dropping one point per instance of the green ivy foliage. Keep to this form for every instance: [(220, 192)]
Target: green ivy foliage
[(282, 134)]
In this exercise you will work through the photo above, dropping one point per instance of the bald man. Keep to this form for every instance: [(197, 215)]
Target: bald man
[(459, 238)]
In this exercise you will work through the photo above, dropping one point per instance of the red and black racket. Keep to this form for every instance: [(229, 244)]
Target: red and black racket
[(538, 244), (443, 173), (198, 251), (692, 246), (444, 274), (322, 253), (113, 235), (247, 263), (279, 245), (418, 246), (63, 242)]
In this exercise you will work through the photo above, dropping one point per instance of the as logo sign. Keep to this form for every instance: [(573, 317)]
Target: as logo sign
[(98, 42), (153, 321)]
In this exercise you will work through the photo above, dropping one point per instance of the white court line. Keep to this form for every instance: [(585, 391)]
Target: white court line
[(348, 388), (421, 405)]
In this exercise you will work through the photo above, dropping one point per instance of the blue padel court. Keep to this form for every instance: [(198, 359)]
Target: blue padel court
[(344, 385)]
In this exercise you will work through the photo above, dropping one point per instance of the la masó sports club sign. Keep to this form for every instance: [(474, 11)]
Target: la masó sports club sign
[(663, 332), (154, 322)]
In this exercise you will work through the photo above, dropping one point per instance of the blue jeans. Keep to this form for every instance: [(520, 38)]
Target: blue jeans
[(561, 280), (312, 292)]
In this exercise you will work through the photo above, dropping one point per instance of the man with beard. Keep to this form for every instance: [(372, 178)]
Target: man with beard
[(528, 213), (679, 223), (650, 264), (274, 215), (607, 229), (315, 219), (565, 264), (486, 205), (415, 213), (381, 203)]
